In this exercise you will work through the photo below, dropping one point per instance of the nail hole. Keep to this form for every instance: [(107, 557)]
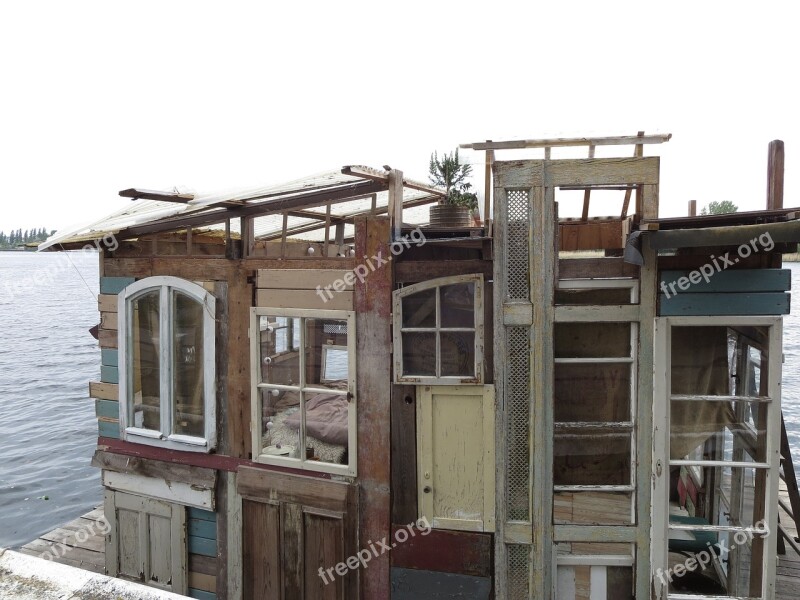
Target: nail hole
[(408, 399)]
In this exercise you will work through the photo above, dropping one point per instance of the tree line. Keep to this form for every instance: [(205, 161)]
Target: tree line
[(20, 237)]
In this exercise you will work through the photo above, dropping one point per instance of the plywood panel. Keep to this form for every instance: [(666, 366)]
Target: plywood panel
[(305, 299)]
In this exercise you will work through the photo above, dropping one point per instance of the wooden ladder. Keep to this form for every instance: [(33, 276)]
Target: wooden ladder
[(793, 510)]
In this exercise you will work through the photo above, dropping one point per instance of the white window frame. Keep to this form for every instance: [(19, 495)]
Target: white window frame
[(350, 469), (397, 301), (165, 285), (661, 445)]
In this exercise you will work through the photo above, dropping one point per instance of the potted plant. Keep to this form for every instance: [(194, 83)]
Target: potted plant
[(456, 208)]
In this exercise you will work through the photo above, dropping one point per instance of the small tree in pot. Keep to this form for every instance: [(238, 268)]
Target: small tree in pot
[(455, 209)]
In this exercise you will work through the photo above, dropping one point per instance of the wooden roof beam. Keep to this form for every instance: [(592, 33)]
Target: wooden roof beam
[(561, 142), (138, 194), (375, 175)]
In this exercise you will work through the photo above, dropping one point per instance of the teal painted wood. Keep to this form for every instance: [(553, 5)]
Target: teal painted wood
[(683, 305), (744, 280), (203, 546), (202, 515), (109, 357), (203, 529), (107, 408), (109, 430), (416, 584), (193, 593), (114, 285), (109, 374)]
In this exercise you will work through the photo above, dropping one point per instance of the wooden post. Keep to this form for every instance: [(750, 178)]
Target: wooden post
[(396, 202), (373, 300), (692, 208), (775, 175), (487, 191)]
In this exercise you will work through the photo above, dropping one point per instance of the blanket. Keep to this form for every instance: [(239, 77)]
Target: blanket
[(326, 418)]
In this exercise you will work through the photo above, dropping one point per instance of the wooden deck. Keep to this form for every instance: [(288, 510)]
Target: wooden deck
[(79, 543)]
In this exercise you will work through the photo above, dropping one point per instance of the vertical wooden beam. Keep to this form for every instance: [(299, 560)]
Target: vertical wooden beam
[(692, 208), (487, 191), (233, 520), (404, 455), (775, 175), (283, 234), (188, 241), (396, 202), (240, 299), (373, 301), (247, 227), (585, 213)]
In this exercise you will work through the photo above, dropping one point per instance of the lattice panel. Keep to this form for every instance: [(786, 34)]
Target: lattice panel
[(518, 571), (518, 471), (518, 204)]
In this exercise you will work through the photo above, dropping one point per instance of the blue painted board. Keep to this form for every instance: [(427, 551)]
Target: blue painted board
[(771, 303), (741, 280), (203, 529), (193, 593), (109, 374), (107, 429), (107, 408), (202, 546), (204, 515), (109, 357), (416, 584), (114, 285)]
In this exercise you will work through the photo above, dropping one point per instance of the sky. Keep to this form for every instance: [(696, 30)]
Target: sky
[(102, 96)]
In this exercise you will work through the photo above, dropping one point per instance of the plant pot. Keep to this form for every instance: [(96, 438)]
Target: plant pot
[(450, 215)]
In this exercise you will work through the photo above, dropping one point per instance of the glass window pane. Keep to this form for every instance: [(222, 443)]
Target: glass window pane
[(419, 354), (327, 424), (419, 310), (729, 425), (144, 383), (592, 459), (592, 392), (326, 353), (592, 340), (457, 304), (279, 438), (279, 356), (581, 582), (458, 353), (187, 364)]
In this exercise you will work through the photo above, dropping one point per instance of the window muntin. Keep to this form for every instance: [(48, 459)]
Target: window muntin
[(438, 328), (304, 405), (167, 370)]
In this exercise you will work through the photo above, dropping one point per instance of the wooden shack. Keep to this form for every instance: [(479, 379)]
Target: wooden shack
[(305, 392)]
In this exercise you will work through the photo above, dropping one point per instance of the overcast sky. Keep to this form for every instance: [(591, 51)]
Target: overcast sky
[(102, 96)]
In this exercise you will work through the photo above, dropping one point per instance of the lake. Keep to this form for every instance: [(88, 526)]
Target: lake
[(48, 303)]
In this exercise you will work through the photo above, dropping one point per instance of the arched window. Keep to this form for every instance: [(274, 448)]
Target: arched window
[(166, 363), (438, 331)]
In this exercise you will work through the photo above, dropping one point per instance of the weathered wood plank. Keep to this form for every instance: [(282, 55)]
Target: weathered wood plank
[(260, 484), (109, 357), (604, 171), (373, 302), (261, 551), (203, 564), (324, 300), (103, 391), (108, 338), (684, 304), (203, 581), (740, 280), (203, 529), (197, 477), (114, 285), (447, 551), (107, 408), (292, 542), (416, 584), (404, 454), (169, 491), (108, 430), (107, 303), (599, 268), (240, 298), (109, 374), (414, 271), (202, 546), (301, 279)]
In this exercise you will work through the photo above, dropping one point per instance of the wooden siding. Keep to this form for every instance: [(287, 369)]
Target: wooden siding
[(686, 304), (114, 285), (416, 584), (739, 280)]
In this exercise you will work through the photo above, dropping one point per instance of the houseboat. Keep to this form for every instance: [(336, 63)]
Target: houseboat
[(306, 392)]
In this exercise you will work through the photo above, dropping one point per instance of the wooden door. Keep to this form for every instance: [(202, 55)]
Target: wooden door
[(295, 531), (147, 541), (455, 439)]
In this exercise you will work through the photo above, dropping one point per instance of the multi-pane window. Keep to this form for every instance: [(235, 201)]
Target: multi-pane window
[(167, 372), (303, 376), (438, 331)]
